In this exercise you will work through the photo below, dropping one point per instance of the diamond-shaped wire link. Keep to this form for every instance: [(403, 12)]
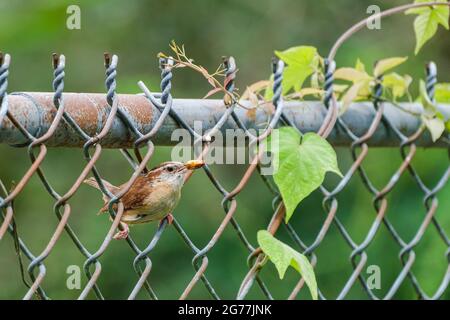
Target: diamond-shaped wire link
[(92, 150)]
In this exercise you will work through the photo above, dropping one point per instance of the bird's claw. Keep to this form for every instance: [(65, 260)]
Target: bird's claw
[(169, 219), (122, 234)]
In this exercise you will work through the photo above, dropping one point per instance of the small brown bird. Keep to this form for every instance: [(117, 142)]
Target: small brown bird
[(153, 196)]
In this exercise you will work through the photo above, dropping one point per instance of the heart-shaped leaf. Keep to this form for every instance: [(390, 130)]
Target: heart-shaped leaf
[(283, 256), (300, 163), (301, 62), (427, 21)]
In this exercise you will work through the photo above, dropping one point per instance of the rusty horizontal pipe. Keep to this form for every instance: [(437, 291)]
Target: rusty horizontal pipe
[(35, 111)]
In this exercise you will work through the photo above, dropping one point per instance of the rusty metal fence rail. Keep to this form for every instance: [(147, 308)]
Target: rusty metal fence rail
[(136, 122)]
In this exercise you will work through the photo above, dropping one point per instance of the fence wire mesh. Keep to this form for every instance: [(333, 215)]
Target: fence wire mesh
[(92, 149), (36, 266)]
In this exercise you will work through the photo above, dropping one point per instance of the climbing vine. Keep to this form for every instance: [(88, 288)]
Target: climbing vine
[(302, 160)]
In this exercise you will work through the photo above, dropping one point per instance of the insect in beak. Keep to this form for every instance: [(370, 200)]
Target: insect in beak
[(194, 164)]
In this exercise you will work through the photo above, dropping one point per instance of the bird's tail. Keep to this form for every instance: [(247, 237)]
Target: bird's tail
[(93, 183), (113, 189)]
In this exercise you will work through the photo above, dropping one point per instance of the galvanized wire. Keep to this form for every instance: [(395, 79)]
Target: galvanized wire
[(143, 263), (92, 151)]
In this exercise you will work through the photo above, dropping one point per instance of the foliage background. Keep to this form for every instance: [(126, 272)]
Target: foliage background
[(249, 30)]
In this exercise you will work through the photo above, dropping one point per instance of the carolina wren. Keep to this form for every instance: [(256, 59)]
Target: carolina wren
[(153, 196)]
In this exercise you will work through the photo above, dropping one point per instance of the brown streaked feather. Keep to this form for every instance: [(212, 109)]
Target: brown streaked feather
[(162, 164), (148, 198), (152, 174), (113, 189), (134, 198)]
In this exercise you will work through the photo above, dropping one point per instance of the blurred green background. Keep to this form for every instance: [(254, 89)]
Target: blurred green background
[(249, 30)]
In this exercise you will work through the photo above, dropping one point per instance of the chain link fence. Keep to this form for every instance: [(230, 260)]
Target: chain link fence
[(122, 127)]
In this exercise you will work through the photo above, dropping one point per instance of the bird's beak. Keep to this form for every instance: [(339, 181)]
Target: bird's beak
[(194, 164)]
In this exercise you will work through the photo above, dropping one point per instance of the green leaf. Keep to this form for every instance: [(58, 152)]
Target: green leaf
[(340, 88), (301, 62), (358, 89), (397, 84), (419, 10), (300, 163), (360, 65), (428, 105), (351, 74), (425, 28), (301, 56), (435, 125), (386, 64), (442, 92), (431, 117), (306, 92), (283, 256), (427, 21)]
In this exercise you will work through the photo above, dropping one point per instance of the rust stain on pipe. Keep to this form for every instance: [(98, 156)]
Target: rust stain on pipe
[(89, 111), (35, 112)]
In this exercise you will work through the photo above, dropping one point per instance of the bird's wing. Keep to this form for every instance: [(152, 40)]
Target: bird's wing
[(113, 189), (135, 196)]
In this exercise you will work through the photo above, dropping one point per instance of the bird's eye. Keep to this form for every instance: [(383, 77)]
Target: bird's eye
[(170, 169)]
